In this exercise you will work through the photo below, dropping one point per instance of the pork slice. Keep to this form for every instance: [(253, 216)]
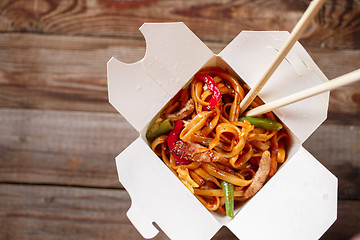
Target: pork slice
[(195, 152), (260, 176), (186, 111)]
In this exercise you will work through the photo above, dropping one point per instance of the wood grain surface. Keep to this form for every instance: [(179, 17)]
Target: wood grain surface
[(336, 26), (59, 135)]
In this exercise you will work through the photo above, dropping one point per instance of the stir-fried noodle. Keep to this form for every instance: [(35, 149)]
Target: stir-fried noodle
[(200, 136)]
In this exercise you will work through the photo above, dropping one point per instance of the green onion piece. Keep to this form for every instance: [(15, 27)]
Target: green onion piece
[(265, 123), (161, 128), (228, 190)]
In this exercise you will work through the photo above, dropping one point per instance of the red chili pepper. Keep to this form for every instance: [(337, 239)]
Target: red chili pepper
[(173, 138), (212, 86), (174, 134)]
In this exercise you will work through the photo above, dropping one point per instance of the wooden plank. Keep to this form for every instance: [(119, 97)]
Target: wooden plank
[(337, 147), (50, 212), (59, 72), (77, 148), (65, 148), (53, 212), (69, 73), (336, 26)]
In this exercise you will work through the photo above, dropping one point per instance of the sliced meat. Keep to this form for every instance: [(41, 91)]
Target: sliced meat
[(195, 152), (260, 175), (186, 111)]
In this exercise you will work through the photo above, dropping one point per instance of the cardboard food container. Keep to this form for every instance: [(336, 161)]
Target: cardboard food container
[(298, 202)]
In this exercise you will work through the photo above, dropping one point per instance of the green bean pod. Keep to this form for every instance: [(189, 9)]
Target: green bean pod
[(158, 129), (228, 190), (265, 123)]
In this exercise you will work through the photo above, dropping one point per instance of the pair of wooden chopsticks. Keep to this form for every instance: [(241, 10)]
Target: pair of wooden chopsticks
[(300, 27)]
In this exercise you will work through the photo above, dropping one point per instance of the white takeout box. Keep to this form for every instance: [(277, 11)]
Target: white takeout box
[(299, 202)]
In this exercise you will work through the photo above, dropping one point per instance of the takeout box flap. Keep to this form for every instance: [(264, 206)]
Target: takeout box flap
[(173, 54), (251, 52), (131, 90), (298, 202), (158, 196)]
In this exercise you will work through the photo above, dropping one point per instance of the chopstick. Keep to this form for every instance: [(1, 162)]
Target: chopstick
[(332, 84), (300, 27)]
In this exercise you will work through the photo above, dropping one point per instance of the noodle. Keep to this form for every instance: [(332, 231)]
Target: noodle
[(212, 145)]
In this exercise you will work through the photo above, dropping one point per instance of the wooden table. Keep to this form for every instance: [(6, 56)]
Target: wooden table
[(59, 135)]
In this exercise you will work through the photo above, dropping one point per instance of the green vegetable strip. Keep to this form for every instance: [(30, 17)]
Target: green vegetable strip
[(160, 128), (228, 190), (265, 123)]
